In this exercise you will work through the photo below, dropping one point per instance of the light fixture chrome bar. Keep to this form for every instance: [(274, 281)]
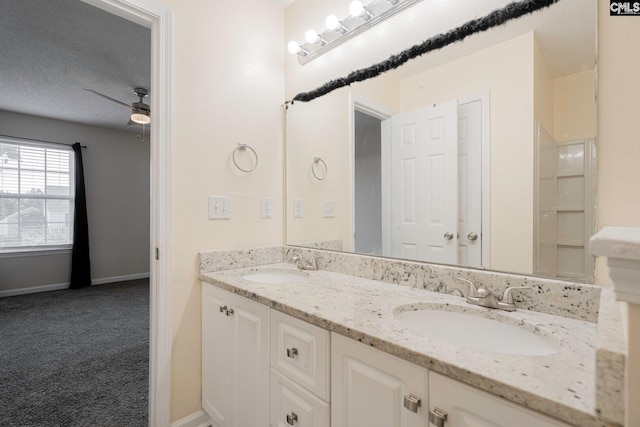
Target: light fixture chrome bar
[(343, 37)]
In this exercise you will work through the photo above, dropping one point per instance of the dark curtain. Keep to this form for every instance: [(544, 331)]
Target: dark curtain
[(80, 261)]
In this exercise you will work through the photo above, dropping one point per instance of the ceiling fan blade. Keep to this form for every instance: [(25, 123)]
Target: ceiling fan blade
[(109, 98)]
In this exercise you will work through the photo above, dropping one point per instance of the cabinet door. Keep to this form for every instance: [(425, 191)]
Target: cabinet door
[(468, 407), (249, 373), (368, 387), (216, 345), (291, 405)]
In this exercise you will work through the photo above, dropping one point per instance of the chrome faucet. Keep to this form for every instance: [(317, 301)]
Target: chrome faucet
[(303, 264), (478, 295)]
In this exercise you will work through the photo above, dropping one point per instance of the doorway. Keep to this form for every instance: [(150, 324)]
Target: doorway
[(426, 197)]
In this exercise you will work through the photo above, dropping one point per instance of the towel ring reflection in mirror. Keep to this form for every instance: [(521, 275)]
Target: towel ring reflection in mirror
[(316, 161), (244, 147)]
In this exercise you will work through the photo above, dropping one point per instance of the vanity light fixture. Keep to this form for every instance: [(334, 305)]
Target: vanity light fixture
[(334, 24), (357, 9), (312, 37), (295, 48), (361, 17)]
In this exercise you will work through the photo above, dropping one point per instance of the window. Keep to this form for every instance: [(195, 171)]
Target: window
[(36, 196)]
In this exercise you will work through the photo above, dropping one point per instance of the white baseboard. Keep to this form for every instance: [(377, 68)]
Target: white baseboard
[(34, 290), (119, 278), (59, 286), (199, 419)]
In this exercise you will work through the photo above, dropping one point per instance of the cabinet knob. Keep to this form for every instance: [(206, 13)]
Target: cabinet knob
[(292, 352), (230, 312), (448, 235), (412, 403), (223, 308), (437, 417), (472, 236), (292, 418)]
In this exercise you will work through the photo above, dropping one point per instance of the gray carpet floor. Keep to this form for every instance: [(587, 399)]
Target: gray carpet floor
[(76, 357)]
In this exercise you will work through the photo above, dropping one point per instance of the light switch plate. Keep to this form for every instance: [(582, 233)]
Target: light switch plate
[(266, 208), (329, 209), (298, 208), (219, 207)]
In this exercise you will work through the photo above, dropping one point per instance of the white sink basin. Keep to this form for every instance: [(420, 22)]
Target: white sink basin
[(476, 331), (275, 276)]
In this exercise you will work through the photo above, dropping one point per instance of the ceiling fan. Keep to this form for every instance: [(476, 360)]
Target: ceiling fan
[(140, 112)]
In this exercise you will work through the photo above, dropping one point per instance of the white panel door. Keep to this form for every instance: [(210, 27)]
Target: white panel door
[(216, 342), (470, 183), (368, 387), (424, 182), (250, 364)]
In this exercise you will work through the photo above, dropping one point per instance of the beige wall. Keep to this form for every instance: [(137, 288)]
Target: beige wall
[(227, 87), (574, 106), (619, 156), (116, 168)]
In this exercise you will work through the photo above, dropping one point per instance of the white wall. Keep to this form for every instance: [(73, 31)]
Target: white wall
[(227, 87), (116, 168)]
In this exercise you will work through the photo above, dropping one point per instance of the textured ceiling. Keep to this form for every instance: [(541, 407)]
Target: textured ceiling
[(52, 49)]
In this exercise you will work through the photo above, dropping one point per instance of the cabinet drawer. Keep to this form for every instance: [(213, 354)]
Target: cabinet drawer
[(291, 405), (467, 406), (301, 351)]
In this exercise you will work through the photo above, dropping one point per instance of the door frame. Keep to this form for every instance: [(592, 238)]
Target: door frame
[(485, 99), (158, 18), (356, 103)]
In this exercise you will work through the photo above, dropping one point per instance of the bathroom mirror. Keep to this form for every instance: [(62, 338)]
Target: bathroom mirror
[(482, 154)]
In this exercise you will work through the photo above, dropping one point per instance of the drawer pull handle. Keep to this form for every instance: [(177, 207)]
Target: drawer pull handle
[(292, 352), (292, 418), (230, 312), (437, 417), (223, 308), (412, 403)]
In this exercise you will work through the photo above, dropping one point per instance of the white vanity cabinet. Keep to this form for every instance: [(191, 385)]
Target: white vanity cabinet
[(299, 373), (235, 359), (466, 407), (264, 368), (370, 387)]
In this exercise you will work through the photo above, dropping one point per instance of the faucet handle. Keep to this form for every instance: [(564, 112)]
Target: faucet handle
[(507, 297), (473, 290)]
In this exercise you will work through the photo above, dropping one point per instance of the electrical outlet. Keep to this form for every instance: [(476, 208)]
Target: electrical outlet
[(329, 209), (219, 207), (298, 208), (266, 208)]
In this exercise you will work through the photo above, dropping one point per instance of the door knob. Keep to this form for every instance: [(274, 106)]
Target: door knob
[(448, 235), (472, 236)]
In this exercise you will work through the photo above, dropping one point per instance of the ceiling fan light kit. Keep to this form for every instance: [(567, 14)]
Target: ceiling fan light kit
[(140, 112)]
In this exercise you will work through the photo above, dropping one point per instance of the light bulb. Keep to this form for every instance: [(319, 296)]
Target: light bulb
[(332, 22), (356, 8), (311, 36), (293, 47)]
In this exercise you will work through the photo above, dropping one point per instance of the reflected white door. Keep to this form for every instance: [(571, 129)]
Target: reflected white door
[(470, 183), (424, 183)]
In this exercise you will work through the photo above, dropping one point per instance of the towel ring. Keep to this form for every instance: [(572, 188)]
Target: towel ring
[(244, 147), (317, 160)]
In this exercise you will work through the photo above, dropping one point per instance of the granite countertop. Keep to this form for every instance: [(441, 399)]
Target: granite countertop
[(561, 385)]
